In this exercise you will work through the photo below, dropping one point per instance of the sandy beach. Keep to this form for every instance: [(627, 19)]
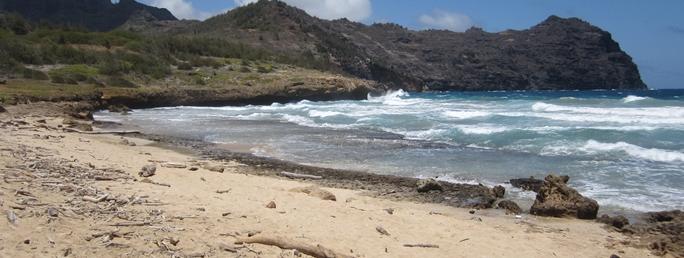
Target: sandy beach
[(81, 195)]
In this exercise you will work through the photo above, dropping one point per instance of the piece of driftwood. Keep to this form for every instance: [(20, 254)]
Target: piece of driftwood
[(315, 250), (95, 199), (72, 130), (131, 224), (300, 176), (422, 245), (223, 191), (146, 180)]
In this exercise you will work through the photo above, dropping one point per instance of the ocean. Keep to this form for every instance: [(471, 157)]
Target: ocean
[(623, 148)]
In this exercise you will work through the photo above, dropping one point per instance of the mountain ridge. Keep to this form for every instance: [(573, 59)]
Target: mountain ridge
[(556, 54)]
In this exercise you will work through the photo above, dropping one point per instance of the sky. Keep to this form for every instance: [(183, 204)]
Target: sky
[(652, 32)]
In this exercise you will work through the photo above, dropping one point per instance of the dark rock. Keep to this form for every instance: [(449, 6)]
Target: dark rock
[(53, 212), (118, 109), (558, 53), (527, 184), (193, 168), (556, 199), (499, 191), (661, 232), (2, 109), (614, 256), (271, 205), (148, 170), (510, 206), (428, 184), (81, 126), (214, 168), (616, 221)]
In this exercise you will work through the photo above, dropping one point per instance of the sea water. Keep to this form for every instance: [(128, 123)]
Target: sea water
[(624, 149)]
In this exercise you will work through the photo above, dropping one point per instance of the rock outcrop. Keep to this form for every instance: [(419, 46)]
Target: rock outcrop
[(661, 232), (428, 184), (556, 199), (527, 184), (559, 53), (617, 222)]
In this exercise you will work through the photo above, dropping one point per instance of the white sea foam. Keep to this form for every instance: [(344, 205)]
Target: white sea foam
[(316, 113), (659, 155), (481, 129), (465, 114), (632, 98)]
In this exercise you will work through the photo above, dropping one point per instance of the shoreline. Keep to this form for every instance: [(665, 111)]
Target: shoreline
[(414, 219)]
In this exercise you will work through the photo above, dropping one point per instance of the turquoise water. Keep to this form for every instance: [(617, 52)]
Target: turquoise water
[(625, 149)]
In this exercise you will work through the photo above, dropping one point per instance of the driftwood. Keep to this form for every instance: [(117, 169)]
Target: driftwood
[(316, 250), (131, 224), (146, 180), (223, 191), (422, 245), (300, 176), (72, 130), (94, 199)]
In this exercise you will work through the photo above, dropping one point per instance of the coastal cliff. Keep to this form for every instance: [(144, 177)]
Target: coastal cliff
[(557, 54)]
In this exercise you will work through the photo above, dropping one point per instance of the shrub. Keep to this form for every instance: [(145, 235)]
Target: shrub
[(73, 74), (264, 69), (245, 69), (34, 74), (184, 66), (117, 81)]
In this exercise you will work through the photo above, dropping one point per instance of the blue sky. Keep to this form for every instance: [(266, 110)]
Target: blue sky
[(652, 32)]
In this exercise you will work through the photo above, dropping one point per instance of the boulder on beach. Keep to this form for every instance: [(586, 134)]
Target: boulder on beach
[(2, 109), (499, 191), (556, 199), (148, 170), (618, 221), (510, 206), (428, 184), (527, 184)]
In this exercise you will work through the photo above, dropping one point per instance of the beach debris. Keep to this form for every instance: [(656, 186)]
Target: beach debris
[(67, 252), (614, 256), (300, 176), (148, 170), (471, 211), (2, 109), (314, 191), (527, 184), (315, 250), (11, 217), (95, 199), (428, 184), (214, 168), (618, 221), (389, 211), (510, 206), (224, 191), (125, 141), (53, 212), (174, 165), (382, 231), (271, 205), (422, 245), (148, 181), (556, 199), (193, 168), (499, 191), (227, 248)]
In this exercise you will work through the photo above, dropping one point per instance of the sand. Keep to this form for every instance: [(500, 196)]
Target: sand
[(200, 221)]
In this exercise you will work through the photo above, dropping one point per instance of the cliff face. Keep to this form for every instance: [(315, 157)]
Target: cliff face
[(557, 54), (99, 15)]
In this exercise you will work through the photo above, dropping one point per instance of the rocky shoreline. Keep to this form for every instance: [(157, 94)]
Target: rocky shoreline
[(658, 233)]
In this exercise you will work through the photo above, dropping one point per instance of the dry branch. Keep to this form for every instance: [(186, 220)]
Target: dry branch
[(316, 250), (300, 176)]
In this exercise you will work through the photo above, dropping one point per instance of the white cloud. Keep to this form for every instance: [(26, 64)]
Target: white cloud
[(446, 20), (355, 10), (182, 9)]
